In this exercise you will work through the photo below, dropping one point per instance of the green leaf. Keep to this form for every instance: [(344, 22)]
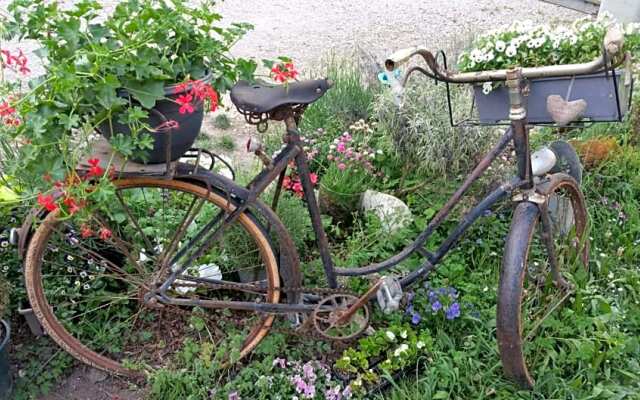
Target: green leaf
[(441, 395), (147, 93)]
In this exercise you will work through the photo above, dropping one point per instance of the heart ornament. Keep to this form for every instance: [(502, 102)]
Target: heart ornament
[(564, 112)]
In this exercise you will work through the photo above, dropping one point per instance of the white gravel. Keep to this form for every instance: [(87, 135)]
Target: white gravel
[(307, 29)]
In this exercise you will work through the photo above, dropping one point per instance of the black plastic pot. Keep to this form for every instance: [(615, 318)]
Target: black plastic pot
[(182, 137), (5, 374)]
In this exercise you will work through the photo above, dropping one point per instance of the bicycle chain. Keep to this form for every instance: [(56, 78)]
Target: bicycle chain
[(305, 329), (285, 289)]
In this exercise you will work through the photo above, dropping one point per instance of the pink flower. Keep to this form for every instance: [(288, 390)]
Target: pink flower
[(330, 157), (342, 167), (234, 396), (297, 187), (104, 233), (314, 178), (340, 147)]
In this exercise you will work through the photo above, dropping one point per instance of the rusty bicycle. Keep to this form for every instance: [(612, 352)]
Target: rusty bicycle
[(187, 238)]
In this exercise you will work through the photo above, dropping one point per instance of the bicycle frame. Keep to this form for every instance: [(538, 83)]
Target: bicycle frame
[(517, 134)]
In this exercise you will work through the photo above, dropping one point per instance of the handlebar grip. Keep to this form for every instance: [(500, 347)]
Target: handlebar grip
[(399, 57)]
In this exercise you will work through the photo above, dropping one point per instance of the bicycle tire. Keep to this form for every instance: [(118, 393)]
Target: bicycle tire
[(36, 283), (520, 296)]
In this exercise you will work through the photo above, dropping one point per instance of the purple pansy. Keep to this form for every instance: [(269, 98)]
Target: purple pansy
[(453, 311), (415, 318)]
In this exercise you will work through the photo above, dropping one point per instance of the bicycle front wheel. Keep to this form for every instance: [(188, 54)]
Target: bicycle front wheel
[(538, 273), (87, 285)]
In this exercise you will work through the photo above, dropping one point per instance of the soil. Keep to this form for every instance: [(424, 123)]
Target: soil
[(306, 32)]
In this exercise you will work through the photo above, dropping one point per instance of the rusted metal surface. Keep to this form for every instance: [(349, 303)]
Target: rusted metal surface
[(440, 216), (337, 312)]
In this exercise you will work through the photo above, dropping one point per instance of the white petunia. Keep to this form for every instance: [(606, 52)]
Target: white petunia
[(531, 44), (489, 56), (391, 336), (511, 51), (487, 87), (500, 46)]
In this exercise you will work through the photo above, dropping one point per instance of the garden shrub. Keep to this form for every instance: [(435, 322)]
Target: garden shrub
[(348, 100), (421, 133)]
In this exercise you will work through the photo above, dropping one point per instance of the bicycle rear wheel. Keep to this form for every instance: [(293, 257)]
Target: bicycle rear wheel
[(88, 290), (538, 273)]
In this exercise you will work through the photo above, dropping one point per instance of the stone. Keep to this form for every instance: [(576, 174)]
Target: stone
[(393, 213)]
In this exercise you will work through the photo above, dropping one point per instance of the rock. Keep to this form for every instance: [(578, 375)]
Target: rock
[(392, 212)]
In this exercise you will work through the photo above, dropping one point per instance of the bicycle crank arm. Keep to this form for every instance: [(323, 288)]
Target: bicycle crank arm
[(346, 317)]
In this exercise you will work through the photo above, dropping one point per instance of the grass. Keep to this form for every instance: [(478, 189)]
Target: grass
[(225, 143), (222, 121)]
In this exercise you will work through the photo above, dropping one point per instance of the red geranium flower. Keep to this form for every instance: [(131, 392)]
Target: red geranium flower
[(278, 74), (291, 70), (185, 104), (71, 204), (95, 169), (47, 202)]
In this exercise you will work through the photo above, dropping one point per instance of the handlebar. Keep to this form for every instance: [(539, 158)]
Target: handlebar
[(613, 43)]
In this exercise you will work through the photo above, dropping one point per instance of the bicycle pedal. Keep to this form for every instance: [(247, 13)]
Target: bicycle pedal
[(389, 295)]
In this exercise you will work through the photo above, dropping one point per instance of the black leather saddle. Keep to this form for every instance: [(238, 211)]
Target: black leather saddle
[(263, 98)]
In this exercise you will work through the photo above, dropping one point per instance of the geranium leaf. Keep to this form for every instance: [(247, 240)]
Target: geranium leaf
[(146, 93)]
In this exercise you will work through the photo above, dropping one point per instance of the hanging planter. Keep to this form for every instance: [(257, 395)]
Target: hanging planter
[(176, 122), (5, 373)]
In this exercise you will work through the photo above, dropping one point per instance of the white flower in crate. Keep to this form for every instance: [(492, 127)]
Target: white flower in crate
[(500, 46), (487, 87)]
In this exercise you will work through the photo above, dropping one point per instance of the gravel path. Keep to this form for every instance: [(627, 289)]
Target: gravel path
[(306, 30)]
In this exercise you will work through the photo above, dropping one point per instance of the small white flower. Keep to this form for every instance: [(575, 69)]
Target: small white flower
[(500, 46), (104, 40), (173, 57), (87, 286), (403, 334), (511, 51), (487, 88), (77, 283), (420, 344), (391, 336), (489, 56), (531, 44), (70, 257), (401, 349), (62, 42), (172, 33), (83, 274)]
